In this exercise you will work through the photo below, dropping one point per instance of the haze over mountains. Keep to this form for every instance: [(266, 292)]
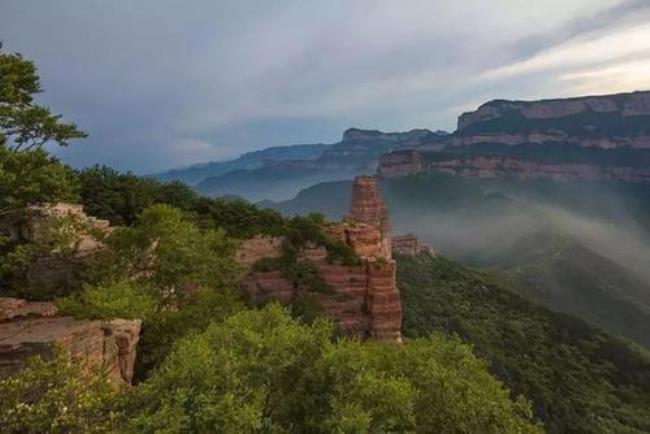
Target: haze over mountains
[(545, 192), (584, 132), (492, 278)]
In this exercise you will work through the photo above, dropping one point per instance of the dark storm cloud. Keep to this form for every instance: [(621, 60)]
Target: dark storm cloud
[(162, 83)]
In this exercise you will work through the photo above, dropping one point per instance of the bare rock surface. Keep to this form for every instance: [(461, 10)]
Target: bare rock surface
[(364, 300), (410, 245), (29, 328)]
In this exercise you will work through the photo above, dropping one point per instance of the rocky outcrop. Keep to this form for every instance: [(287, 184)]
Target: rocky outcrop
[(410, 245), (495, 166), (368, 207), (400, 163), (28, 329), (23, 224), (258, 247), (61, 267), (610, 121), (364, 299)]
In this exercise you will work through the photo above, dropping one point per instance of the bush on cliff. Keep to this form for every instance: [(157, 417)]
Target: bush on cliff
[(168, 253), (121, 299)]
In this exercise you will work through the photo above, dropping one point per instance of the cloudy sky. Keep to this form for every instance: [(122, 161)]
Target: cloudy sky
[(167, 83)]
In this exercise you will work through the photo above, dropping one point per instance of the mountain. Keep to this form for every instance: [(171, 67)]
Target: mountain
[(579, 247), (358, 152), (271, 181), (568, 275), (250, 160), (610, 121), (578, 378)]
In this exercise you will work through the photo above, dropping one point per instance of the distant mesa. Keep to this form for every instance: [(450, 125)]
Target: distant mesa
[(609, 121)]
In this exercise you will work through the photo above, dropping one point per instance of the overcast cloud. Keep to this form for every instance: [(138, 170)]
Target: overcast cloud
[(166, 83)]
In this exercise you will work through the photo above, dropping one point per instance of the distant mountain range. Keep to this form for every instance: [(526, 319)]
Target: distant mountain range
[(281, 172), (553, 194), (594, 137), (248, 161)]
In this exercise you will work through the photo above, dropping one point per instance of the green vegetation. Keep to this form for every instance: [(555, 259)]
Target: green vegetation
[(208, 362), (121, 299), (32, 177), (601, 291), (578, 378), (51, 396), (305, 232), (261, 371), (28, 125)]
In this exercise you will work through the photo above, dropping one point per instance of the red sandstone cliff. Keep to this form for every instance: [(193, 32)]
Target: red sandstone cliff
[(28, 329), (410, 245), (364, 301)]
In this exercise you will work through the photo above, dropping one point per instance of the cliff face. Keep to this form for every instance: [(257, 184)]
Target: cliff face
[(410, 245), (492, 166), (364, 300), (28, 329), (368, 207), (400, 163), (610, 121)]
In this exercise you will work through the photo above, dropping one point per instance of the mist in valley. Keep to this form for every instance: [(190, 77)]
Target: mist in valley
[(577, 247)]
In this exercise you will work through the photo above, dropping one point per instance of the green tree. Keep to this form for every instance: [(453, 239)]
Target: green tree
[(33, 177), (578, 378), (121, 299), (261, 371), (169, 253), (22, 121), (121, 197), (234, 377), (54, 396)]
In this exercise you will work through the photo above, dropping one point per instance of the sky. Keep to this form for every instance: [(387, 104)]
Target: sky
[(168, 83)]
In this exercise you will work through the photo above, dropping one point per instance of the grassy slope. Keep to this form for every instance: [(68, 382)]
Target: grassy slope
[(579, 378), (570, 277)]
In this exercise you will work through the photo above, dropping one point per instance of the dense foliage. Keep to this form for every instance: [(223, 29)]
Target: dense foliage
[(33, 177), (207, 362), (53, 396), (578, 378), (261, 371)]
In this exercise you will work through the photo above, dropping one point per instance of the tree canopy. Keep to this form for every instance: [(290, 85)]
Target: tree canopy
[(22, 121)]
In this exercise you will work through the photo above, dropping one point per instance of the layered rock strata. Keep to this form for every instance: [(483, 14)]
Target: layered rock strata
[(609, 121), (496, 166), (410, 245), (493, 166), (364, 299), (28, 329)]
